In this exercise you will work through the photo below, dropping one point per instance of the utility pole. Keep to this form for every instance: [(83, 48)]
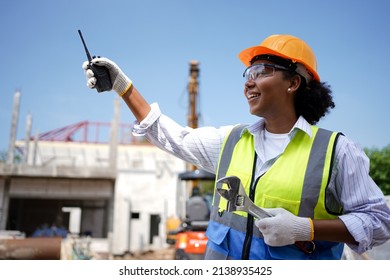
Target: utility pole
[(14, 124), (113, 146), (27, 140)]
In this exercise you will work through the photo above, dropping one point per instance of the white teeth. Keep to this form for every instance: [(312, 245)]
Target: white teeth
[(252, 95)]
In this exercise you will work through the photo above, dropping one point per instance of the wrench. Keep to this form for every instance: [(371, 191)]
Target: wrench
[(238, 200)]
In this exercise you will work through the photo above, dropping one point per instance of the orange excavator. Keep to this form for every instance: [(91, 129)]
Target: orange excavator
[(189, 237)]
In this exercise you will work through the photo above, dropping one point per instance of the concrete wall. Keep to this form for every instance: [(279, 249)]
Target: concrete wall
[(145, 184)]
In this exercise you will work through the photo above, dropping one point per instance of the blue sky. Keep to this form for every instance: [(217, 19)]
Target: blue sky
[(153, 42)]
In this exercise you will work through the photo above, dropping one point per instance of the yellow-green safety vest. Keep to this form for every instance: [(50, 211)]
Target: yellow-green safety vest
[(296, 181)]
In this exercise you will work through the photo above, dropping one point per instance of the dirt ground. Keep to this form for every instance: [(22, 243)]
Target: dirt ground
[(163, 254)]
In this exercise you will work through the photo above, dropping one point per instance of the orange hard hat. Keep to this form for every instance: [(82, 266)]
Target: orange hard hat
[(285, 46)]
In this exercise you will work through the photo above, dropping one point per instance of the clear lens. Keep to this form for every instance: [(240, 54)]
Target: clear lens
[(261, 70)]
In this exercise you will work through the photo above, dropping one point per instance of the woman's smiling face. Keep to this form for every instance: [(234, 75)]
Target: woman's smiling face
[(266, 90)]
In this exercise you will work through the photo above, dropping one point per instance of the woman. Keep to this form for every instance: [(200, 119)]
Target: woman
[(314, 183)]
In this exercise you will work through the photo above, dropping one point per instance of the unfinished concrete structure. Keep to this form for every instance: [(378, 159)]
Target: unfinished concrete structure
[(120, 192)]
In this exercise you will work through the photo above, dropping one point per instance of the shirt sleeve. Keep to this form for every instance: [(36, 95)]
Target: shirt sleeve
[(200, 146), (365, 212)]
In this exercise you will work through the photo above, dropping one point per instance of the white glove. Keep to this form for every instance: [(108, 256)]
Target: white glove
[(120, 82), (284, 228)]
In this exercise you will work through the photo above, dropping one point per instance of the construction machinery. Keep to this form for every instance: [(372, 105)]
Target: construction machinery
[(190, 236)]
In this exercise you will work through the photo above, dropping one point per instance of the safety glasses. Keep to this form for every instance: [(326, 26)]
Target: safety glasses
[(261, 70)]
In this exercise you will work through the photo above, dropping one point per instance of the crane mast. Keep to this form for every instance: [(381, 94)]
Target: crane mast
[(193, 91)]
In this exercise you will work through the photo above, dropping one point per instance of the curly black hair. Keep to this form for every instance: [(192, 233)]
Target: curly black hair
[(312, 101)]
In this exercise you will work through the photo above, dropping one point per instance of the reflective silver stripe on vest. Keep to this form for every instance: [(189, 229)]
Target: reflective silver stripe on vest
[(227, 153), (213, 255), (314, 172), (231, 142), (232, 220)]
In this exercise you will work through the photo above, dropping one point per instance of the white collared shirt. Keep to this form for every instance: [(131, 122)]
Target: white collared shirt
[(365, 212)]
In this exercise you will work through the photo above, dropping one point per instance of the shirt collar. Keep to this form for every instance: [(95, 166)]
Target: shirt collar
[(300, 124)]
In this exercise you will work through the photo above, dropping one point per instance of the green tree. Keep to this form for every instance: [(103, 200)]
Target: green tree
[(380, 167)]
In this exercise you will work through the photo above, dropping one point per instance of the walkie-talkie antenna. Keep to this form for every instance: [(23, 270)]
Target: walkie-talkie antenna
[(85, 47)]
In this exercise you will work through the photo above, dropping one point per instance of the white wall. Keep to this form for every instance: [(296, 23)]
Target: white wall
[(145, 183), (147, 187)]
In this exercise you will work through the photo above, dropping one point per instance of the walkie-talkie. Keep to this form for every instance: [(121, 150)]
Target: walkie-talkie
[(103, 80)]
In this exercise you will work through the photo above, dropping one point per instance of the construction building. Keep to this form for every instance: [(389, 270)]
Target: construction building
[(126, 203), (120, 192)]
